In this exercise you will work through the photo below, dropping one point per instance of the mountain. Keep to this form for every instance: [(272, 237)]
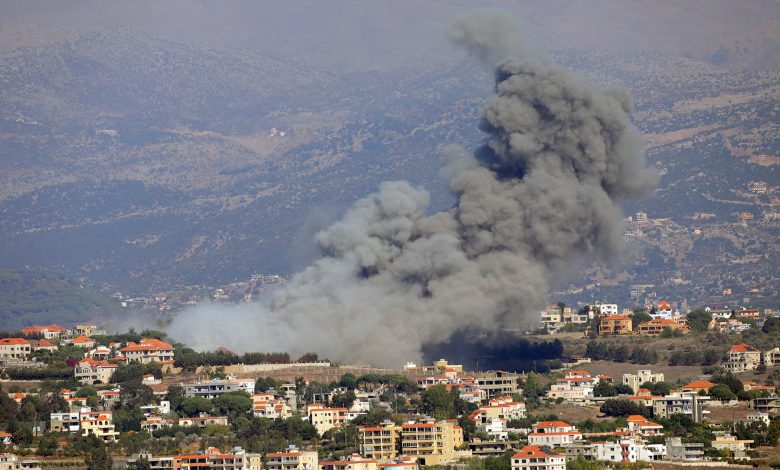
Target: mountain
[(142, 154), (35, 297)]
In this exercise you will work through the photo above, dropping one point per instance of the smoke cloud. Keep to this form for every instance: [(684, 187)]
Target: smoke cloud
[(541, 192)]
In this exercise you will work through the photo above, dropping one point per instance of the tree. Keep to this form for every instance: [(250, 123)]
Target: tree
[(193, 406), (140, 464), (722, 392), (263, 384), (620, 407), (532, 388), (604, 389), (438, 402), (348, 381), (658, 388), (234, 404), (699, 321), (343, 400), (729, 379), (98, 458)]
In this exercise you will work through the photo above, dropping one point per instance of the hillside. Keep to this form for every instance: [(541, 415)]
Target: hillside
[(29, 297)]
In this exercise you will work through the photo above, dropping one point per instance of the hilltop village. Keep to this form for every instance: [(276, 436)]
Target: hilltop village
[(80, 396)]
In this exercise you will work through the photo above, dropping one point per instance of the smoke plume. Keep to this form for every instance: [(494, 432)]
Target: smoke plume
[(542, 191)]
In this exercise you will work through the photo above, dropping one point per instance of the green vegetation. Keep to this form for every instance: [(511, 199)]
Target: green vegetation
[(622, 408), (42, 297), (601, 350)]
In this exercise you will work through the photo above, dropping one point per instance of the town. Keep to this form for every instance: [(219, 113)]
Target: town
[(140, 400)]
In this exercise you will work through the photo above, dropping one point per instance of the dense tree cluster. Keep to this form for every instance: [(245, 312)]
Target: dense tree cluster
[(601, 350)]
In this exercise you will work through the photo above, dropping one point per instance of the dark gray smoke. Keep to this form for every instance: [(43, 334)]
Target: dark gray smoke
[(543, 191)]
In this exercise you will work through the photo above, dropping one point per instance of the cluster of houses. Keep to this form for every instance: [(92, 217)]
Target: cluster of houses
[(17, 352), (663, 316)]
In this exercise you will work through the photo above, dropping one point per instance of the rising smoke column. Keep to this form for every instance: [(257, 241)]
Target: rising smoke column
[(541, 193)]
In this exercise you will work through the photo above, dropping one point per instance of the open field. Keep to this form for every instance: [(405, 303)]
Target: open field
[(617, 369)]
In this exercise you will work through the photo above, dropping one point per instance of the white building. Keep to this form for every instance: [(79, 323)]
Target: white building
[(635, 381), (553, 434), (538, 458)]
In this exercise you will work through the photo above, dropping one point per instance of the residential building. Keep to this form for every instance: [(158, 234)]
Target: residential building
[(99, 424), (770, 405), (148, 350), (635, 381), (538, 458), (218, 387), (678, 451), (86, 329), (268, 406), (576, 385), (772, 357), (606, 309), (65, 422), (638, 424), (656, 326), (403, 462), (753, 417), (6, 438), (89, 371), (47, 331), (14, 351), (554, 434), (736, 447), (43, 344), (324, 419), (498, 383), (12, 462), (82, 342), (431, 442), (664, 311), (741, 358), (687, 403), (292, 459), (615, 325), (499, 408), (381, 442), (698, 386)]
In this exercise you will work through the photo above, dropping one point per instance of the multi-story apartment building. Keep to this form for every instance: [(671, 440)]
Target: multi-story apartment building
[(324, 419), (635, 381), (431, 442), (90, 371), (218, 387), (687, 403), (266, 405), (149, 350), (14, 351), (615, 325), (684, 452), (498, 383), (741, 358), (65, 422), (538, 458), (293, 459), (499, 408), (354, 462), (381, 442)]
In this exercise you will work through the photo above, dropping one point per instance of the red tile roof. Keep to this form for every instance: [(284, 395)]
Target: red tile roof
[(10, 341), (535, 452)]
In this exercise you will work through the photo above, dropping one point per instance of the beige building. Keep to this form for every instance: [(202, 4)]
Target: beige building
[(148, 350), (14, 351), (12, 462), (99, 424), (431, 442), (324, 419), (90, 371), (498, 383), (635, 381), (381, 442), (741, 358), (615, 325), (355, 462), (293, 459), (737, 448)]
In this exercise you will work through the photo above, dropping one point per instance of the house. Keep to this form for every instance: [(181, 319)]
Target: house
[(615, 325), (638, 424), (43, 344), (538, 458), (6, 438), (47, 331), (65, 422), (403, 462), (98, 423), (431, 442), (623, 450), (381, 442), (554, 434), (499, 408), (86, 329), (100, 353), (656, 326), (755, 416), (89, 371), (12, 462), (14, 351), (769, 405), (293, 459), (268, 406), (698, 386), (576, 385), (772, 357), (664, 311), (635, 381), (690, 404), (82, 342), (737, 448), (749, 385), (742, 357), (643, 397), (323, 418), (148, 350), (212, 458)]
